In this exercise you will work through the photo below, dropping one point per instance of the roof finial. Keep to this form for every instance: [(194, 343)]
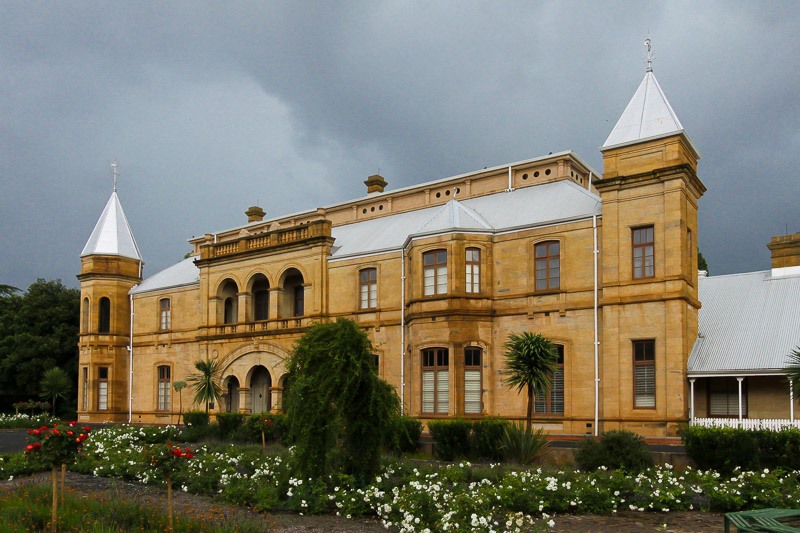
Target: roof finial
[(114, 172), (650, 55)]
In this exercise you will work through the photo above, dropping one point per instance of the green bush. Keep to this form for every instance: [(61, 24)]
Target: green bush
[(451, 438), (404, 437), (724, 449), (229, 423), (195, 418), (275, 426), (487, 436), (617, 449), (522, 446)]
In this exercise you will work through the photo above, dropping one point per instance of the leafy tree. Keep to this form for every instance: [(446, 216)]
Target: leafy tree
[(38, 331), (7, 290), (179, 386), (701, 262), (530, 362), (206, 381), (55, 384), (793, 370), (339, 409)]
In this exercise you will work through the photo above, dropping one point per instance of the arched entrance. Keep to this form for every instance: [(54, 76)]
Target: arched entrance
[(231, 394), (260, 383)]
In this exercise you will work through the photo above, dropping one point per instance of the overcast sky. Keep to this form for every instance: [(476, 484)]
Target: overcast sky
[(211, 107)]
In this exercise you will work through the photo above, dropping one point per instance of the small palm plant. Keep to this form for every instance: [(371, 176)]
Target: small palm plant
[(55, 384), (206, 381), (530, 362), (179, 386)]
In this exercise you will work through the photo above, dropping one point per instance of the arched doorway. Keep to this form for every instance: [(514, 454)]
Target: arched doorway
[(260, 383), (232, 394)]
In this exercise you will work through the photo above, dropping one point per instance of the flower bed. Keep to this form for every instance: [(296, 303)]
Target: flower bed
[(418, 496)]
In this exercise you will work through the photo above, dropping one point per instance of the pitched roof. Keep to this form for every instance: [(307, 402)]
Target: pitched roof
[(180, 274), (748, 324), (112, 235), (648, 115)]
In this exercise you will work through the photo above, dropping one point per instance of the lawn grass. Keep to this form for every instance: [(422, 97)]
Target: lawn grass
[(27, 508)]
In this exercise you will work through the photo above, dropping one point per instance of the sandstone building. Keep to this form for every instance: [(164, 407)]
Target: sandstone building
[(438, 274)]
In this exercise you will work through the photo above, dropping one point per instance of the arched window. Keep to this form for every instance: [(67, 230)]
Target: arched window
[(230, 311), (548, 265), (229, 294), (102, 388), (293, 294), (85, 318), (104, 318), (261, 299), (164, 388)]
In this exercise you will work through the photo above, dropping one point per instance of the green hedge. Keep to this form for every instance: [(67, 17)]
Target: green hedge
[(451, 438), (229, 423), (618, 450), (724, 449), (195, 418), (405, 434), (487, 435)]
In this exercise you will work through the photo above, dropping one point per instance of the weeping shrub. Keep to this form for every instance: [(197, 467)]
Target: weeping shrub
[(522, 445), (617, 449)]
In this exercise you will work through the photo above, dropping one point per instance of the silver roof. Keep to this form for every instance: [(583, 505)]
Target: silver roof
[(183, 273), (648, 115), (549, 203), (112, 235), (748, 324)]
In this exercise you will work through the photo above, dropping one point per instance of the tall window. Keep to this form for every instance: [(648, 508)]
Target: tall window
[(104, 319), (644, 374), (723, 397), (85, 390), (229, 311), (434, 267), (643, 252), (164, 388), (299, 301), (261, 300), (165, 314), (368, 286), (548, 265), (435, 381), (85, 317), (473, 265), (102, 388), (472, 381), (552, 401)]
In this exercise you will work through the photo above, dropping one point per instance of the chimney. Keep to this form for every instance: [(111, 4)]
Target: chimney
[(255, 214), (785, 254), (375, 183)]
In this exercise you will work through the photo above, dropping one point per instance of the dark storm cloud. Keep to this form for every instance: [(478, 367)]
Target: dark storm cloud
[(212, 107)]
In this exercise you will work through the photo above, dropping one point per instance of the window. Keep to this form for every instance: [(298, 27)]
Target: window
[(102, 388), (473, 265), (376, 363), (104, 320), (552, 401), (165, 314), (472, 381), (434, 266), (299, 300), (85, 390), (164, 388), (643, 254), (723, 397), (230, 311), (435, 381), (368, 287), (261, 300), (644, 374), (548, 265), (85, 317)]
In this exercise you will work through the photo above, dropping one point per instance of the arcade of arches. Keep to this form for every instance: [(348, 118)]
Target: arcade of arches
[(253, 382)]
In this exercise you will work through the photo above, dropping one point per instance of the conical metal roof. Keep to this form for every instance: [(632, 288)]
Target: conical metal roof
[(112, 235), (648, 115)]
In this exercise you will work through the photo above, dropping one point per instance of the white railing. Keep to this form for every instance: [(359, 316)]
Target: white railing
[(775, 424)]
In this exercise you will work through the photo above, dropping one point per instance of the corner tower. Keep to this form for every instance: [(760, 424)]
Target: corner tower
[(110, 266), (650, 192)]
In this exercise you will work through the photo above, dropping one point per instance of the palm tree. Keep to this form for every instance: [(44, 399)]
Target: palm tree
[(793, 370), (206, 382), (179, 386), (530, 362), (55, 384)]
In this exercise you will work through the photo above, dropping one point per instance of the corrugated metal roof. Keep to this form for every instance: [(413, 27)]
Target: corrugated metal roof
[(112, 235), (531, 206), (748, 323), (183, 273), (647, 115)]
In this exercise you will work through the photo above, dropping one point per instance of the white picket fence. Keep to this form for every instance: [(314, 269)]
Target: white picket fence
[(775, 424)]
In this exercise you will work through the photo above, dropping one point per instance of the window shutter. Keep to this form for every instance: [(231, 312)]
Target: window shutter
[(427, 391), (442, 391), (645, 386), (472, 391)]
